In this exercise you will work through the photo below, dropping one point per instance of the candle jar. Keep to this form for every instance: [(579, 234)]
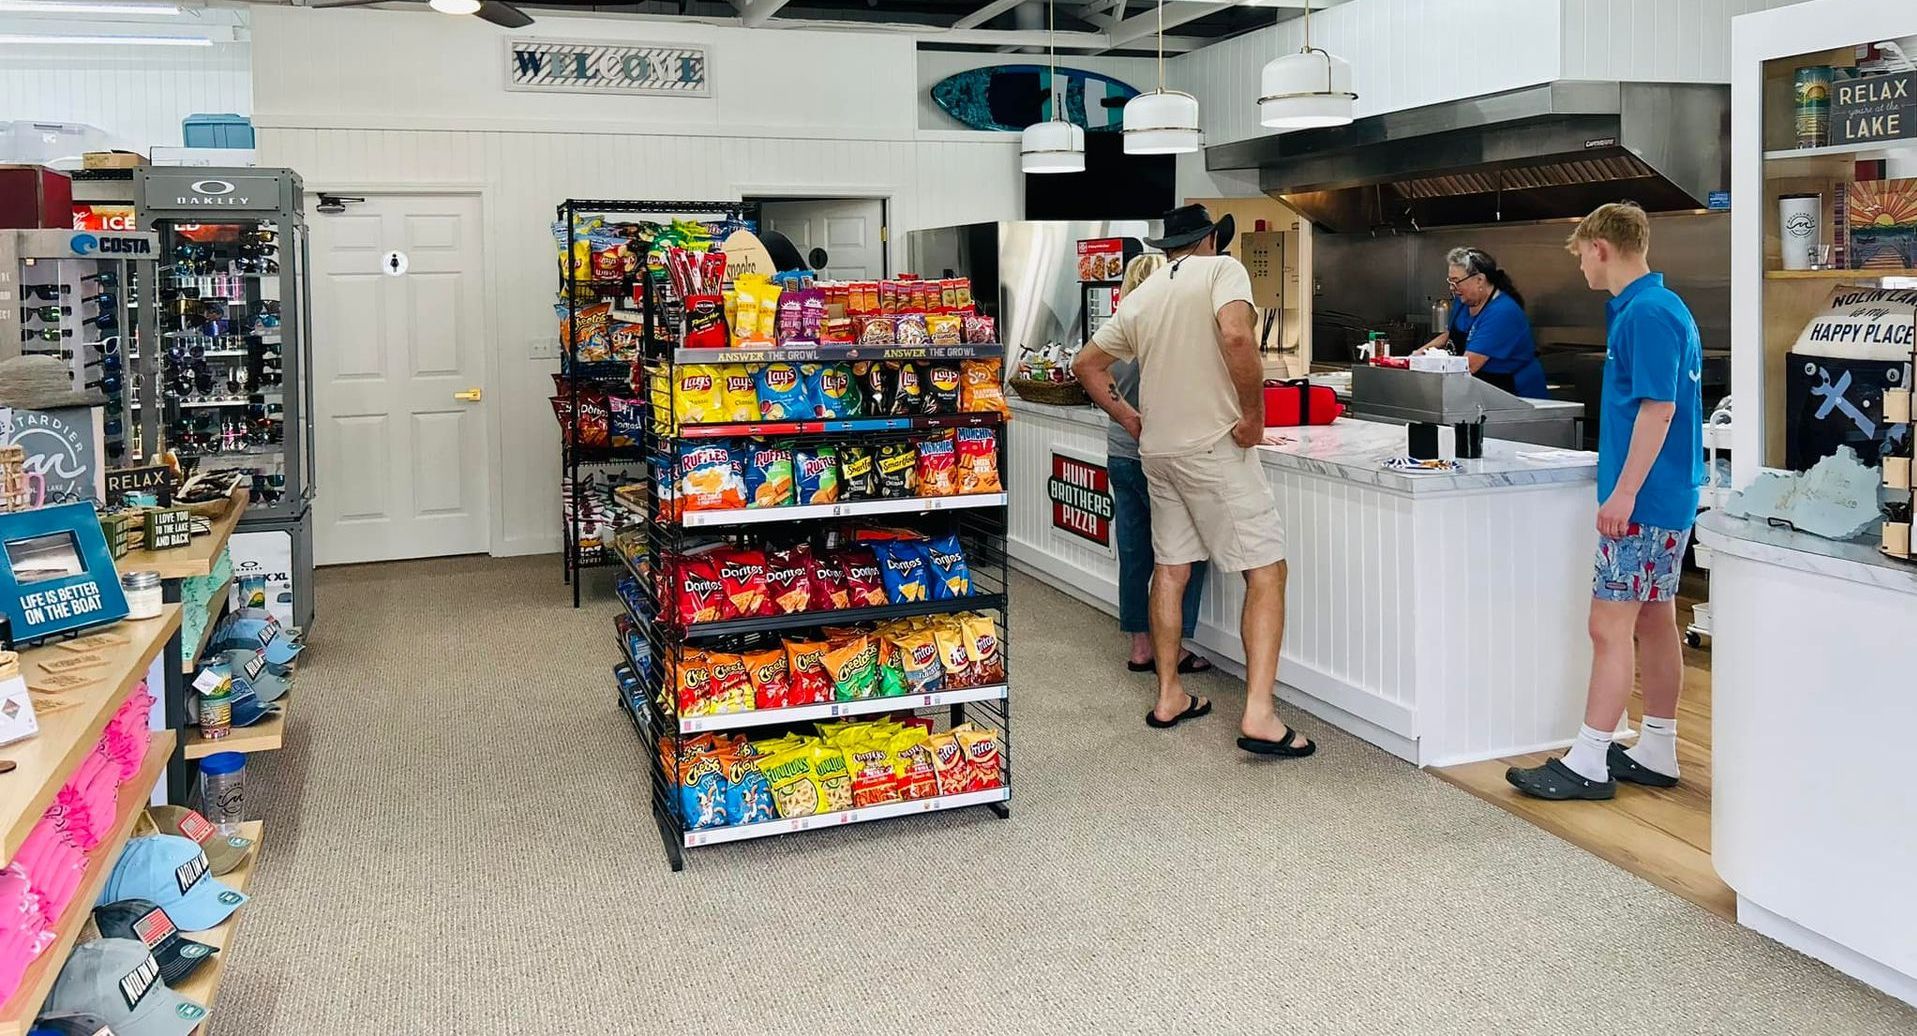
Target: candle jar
[(143, 597)]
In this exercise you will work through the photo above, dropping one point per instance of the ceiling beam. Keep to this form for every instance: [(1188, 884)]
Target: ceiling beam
[(754, 13), (985, 14), (1140, 26)]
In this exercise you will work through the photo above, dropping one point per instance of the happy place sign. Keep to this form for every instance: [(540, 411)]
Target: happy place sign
[(594, 66)]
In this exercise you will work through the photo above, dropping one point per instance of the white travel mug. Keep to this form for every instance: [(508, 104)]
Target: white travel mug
[(1798, 222)]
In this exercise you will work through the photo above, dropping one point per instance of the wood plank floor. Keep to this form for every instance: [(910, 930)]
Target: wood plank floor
[(1661, 835)]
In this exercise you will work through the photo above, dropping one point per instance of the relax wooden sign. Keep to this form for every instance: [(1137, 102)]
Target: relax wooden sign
[(1874, 108)]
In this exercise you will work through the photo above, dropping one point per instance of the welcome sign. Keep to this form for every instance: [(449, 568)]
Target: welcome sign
[(595, 66)]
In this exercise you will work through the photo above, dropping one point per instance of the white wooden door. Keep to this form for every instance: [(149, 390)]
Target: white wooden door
[(399, 380), (851, 230)]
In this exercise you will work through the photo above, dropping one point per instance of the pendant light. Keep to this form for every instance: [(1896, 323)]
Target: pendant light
[(1162, 122), (1306, 90), (1057, 146)]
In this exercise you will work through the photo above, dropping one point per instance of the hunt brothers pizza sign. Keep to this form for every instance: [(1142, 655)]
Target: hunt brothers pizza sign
[(1081, 495)]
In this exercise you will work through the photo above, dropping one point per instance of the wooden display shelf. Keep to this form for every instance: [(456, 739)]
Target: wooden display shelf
[(1854, 152), (265, 736), (71, 721), (204, 985), (18, 1011), (190, 660), (196, 558), (1835, 275)]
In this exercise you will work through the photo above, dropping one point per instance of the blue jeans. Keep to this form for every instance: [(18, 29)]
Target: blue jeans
[(1134, 520)]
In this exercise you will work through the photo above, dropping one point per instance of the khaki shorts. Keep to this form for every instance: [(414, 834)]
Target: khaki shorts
[(1214, 506)]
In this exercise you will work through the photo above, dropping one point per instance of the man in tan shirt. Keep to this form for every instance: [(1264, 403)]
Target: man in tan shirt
[(1191, 328)]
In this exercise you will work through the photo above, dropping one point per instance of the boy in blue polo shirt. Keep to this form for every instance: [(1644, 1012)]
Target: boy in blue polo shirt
[(1650, 464)]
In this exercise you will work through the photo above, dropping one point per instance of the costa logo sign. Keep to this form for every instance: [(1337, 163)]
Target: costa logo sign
[(89, 244)]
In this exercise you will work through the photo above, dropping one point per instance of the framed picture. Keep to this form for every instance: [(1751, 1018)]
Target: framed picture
[(56, 574)]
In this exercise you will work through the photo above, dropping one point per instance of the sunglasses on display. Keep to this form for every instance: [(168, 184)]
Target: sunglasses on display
[(46, 334), (256, 265), (109, 362), (109, 384), (49, 314), (64, 354)]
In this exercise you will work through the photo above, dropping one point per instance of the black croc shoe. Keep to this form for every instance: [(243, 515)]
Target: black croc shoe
[(1625, 768), (1558, 782)]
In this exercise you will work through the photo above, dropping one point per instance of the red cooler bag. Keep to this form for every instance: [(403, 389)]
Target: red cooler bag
[(1298, 402)]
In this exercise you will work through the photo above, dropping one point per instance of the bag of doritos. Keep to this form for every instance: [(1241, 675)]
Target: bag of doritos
[(864, 579), (782, 393), (902, 567), (742, 579), (951, 577), (938, 466), (805, 668), (834, 392), (816, 469), (771, 683), (768, 473), (711, 476), (829, 591), (698, 595), (788, 579)]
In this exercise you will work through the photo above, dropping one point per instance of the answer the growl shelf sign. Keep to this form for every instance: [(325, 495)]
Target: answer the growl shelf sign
[(594, 66)]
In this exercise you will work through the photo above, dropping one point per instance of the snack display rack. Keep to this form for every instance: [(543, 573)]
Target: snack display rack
[(583, 498), (654, 630)]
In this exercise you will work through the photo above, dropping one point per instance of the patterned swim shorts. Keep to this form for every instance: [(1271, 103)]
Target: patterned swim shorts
[(1643, 565)]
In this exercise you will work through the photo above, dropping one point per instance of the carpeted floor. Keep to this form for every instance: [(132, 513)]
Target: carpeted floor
[(456, 842)]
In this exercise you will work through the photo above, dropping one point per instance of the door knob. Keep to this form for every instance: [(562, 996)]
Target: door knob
[(470, 395)]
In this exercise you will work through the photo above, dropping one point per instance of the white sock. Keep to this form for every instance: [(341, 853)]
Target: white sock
[(1588, 752), (1656, 748)]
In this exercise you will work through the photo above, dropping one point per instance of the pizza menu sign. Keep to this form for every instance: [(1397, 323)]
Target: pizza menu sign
[(1081, 493)]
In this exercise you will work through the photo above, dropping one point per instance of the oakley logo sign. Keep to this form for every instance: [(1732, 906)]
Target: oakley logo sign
[(212, 187)]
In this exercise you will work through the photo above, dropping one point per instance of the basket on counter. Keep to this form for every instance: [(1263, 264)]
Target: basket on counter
[(1055, 393)]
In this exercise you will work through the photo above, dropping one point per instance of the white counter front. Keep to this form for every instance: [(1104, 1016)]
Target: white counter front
[(1441, 617), (1813, 822)]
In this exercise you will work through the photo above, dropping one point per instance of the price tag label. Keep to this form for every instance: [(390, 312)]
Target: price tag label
[(208, 681)]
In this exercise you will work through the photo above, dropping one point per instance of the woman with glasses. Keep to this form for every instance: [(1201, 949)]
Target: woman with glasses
[(1489, 326)]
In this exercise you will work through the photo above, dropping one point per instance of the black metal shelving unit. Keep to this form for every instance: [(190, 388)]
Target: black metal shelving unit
[(980, 522), (578, 292)]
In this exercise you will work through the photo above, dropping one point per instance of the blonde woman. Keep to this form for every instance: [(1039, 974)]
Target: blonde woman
[(1134, 515)]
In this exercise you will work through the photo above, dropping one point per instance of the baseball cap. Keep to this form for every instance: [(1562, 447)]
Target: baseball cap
[(293, 633), (247, 708), (223, 852), (119, 981), (70, 1023), (172, 872), (140, 920), (258, 634), (250, 666)]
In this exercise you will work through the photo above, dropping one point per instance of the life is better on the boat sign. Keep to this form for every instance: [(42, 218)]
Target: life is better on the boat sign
[(595, 66)]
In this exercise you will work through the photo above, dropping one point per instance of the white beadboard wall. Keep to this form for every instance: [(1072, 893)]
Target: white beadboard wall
[(1653, 41), (137, 95), (426, 108)]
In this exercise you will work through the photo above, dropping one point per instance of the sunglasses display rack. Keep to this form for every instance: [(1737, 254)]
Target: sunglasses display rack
[(230, 395), (1897, 468), (589, 470), (666, 632), (75, 297)]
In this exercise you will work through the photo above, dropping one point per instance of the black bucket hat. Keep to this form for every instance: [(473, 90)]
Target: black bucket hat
[(1186, 224)]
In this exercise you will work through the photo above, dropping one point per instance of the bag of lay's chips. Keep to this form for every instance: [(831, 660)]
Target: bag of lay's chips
[(782, 393), (810, 683), (834, 780), (817, 474), (711, 476), (834, 392), (748, 794), (769, 671), (699, 395), (741, 394), (950, 576), (854, 666), (977, 450), (902, 566), (768, 473), (788, 772)]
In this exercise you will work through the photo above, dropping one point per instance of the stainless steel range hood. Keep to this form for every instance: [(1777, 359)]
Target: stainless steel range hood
[(1542, 152)]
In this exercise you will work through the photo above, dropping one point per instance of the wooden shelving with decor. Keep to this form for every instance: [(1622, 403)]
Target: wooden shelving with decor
[(203, 986), (18, 1011), (197, 557), (190, 660), (71, 721), (1836, 275), (267, 735)]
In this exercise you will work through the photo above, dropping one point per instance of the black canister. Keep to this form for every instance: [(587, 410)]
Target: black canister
[(1470, 444)]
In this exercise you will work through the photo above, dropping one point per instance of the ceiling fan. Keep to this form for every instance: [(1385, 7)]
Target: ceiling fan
[(494, 11)]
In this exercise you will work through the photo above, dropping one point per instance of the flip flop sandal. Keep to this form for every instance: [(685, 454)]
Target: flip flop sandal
[(1625, 768), (1192, 711), (1558, 782), (1286, 746), (1194, 664), (1140, 667)]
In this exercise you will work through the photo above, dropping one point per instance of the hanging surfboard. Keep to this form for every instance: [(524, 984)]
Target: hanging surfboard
[(1012, 97)]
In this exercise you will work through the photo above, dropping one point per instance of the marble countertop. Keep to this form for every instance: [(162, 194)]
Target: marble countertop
[(1087, 415), (1356, 450), (1857, 560)]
